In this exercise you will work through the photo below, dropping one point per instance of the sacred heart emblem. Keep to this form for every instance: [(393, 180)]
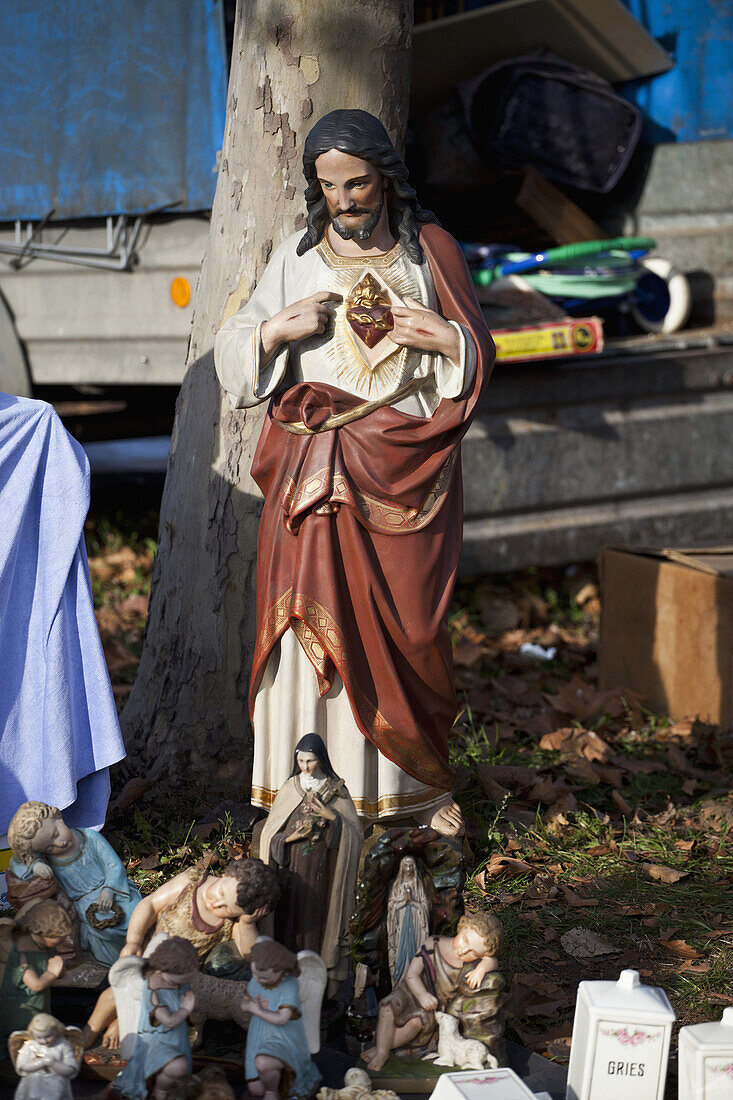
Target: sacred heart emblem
[(368, 311)]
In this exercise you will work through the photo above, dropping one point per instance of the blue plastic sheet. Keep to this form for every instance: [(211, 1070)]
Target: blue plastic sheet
[(110, 108), (694, 100)]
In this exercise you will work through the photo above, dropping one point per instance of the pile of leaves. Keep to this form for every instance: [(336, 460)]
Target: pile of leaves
[(120, 552), (600, 832)]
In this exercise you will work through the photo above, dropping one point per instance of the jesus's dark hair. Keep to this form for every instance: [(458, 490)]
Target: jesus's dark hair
[(362, 135)]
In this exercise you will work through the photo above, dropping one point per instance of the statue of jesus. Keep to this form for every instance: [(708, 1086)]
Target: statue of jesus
[(365, 336)]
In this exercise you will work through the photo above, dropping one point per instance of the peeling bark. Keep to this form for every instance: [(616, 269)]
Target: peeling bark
[(292, 61)]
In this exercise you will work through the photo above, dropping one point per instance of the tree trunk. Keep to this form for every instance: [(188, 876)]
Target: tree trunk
[(292, 61)]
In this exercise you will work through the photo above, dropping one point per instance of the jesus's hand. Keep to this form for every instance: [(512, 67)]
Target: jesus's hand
[(305, 318), (415, 326)]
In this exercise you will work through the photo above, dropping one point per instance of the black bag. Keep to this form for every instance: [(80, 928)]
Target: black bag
[(566, 122)]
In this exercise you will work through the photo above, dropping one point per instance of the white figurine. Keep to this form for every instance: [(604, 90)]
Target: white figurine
[(454, 1050), (357, 1086), (45, 1057)]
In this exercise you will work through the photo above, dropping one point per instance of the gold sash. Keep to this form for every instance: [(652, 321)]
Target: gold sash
[(337, 420)]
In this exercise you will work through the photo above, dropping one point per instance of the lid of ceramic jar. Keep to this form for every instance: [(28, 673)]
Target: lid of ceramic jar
[(627, 997), (716, 1033)]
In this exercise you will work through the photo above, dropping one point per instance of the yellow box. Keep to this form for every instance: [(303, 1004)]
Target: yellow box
[(550, 340)]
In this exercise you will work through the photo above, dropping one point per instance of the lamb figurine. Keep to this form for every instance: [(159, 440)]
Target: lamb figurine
[(454, 1050)]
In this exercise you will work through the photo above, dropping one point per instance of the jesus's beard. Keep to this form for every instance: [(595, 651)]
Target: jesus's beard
[(362, 232)]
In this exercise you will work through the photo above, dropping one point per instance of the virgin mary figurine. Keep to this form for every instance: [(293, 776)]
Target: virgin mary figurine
[(313, 835)]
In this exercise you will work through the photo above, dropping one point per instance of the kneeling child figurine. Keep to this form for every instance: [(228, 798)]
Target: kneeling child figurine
[(277, 1057)]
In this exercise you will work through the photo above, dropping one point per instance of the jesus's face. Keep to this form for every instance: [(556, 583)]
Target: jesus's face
[(354, 193)]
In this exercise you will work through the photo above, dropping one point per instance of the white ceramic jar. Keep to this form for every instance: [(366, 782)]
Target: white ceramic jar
[(706, 1060), (620, 1044)]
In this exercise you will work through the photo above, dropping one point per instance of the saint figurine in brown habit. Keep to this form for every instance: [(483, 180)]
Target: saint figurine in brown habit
[(365, 336), (313, 835)]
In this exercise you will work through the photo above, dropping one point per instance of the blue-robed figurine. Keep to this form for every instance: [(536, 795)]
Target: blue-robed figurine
[(86, 867), (158, 985), (277, 1061)]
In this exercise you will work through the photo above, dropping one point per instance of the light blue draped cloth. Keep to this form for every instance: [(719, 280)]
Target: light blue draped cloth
[(58, 724)]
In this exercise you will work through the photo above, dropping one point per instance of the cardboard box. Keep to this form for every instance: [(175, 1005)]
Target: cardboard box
[(549, 340), (667, 628)]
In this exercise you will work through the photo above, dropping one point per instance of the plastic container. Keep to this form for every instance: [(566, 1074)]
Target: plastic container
[(620, 1044), (706, 1060)]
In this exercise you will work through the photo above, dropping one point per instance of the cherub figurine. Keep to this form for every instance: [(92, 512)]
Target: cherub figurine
[(357, 1086), (277, 1056), (211, 912), (442, 969), (31, 963), (209, 1084), (45, 1057), (87, 868), (160, 1048)]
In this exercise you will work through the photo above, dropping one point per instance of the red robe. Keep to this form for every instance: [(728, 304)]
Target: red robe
[(366, 587)]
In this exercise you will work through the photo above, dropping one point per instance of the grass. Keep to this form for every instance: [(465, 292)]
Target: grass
[(587, 858)]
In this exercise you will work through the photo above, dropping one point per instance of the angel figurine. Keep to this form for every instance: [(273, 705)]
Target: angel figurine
[(30, 962), (153, 1004), (86, 867), (281, 1037), (45, 1057), (408, 918), (313, 835)]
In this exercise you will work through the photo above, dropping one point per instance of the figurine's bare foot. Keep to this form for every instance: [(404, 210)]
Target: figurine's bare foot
[(374, 1058), (256, 1088), (112, 1036), (446, 819)]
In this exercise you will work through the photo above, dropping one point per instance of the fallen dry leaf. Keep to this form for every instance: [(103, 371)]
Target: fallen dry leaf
[(151, 860), (582, 943), (690, 967), (677, 760), (506, 865), (618, 799), (663, 874), (582, 769), (497, 615), (583, 700), (680, 949), (543, 791), (682, 729), (574, 900), (467, 654), (131, 792), (135, 605)]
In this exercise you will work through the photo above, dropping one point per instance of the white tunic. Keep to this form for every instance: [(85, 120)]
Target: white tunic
[(288, 705), (40, 1081)]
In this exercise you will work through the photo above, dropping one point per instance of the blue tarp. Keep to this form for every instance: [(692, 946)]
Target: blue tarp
[(110, 108), (694, 100)]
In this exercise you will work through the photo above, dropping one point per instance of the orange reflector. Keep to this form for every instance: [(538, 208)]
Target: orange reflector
[(181, 291)]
